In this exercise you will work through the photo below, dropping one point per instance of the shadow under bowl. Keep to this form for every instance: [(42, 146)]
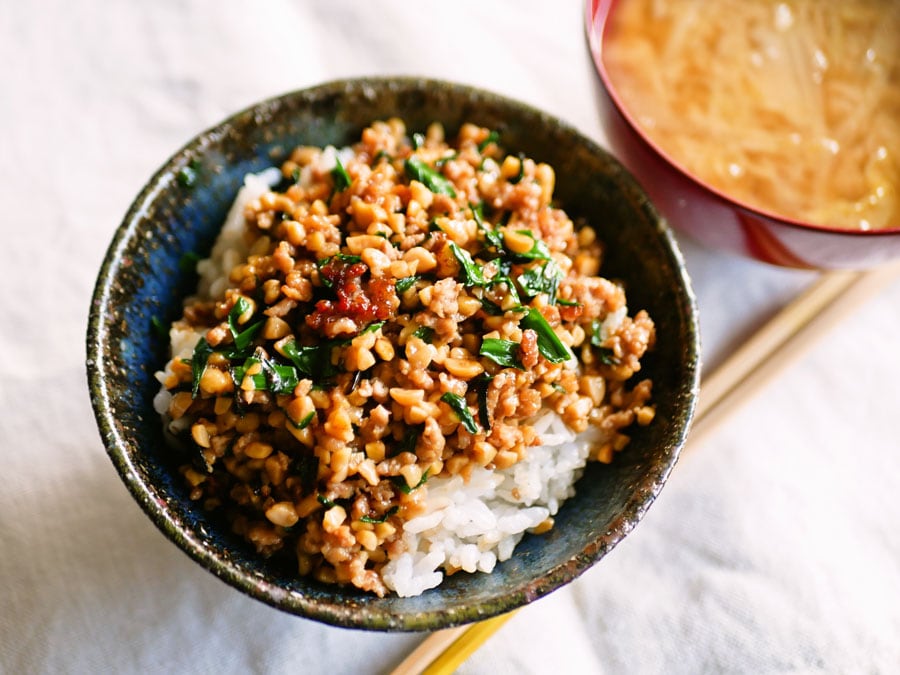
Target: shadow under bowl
[(141, 283), (711, 217)]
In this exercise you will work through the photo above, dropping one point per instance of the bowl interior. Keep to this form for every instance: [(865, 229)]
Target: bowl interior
[(141, 281)]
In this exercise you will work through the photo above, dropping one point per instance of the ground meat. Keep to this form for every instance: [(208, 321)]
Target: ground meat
[(387, 327)]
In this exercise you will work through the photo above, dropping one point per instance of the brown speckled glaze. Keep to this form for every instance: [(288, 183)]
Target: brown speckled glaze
[(141, 280)]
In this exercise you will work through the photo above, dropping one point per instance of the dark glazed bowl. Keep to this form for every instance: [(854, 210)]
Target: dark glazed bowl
[(711, 217), (141, 280)]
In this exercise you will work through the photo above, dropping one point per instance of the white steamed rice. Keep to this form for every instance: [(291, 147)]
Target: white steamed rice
[(473, 526)]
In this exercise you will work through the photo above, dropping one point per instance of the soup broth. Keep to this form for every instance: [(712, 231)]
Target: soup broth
[(790, 107)]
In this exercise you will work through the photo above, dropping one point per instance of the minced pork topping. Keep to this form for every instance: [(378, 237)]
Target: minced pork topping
[(399, 310)]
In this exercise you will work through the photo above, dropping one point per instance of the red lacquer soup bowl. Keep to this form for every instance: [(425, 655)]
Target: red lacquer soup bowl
[(710, 216)]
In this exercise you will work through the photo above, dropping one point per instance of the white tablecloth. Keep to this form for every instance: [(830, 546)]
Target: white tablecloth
[(775, 546)]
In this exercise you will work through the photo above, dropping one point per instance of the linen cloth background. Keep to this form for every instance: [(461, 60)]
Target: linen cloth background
[(774, 548)]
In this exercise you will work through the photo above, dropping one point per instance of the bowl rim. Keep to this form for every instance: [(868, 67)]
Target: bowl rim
[(597, 13), (364, 615)]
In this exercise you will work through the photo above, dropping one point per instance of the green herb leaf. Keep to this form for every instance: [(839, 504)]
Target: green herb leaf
[(491, 308), (521, 174), (401, 483), (473, 273), (372, 327), (424, 333), (568, 303), (202, 352), (313, 361), (340, 176), (482, 383), (549, 345), (242, 339), (387, 514), (510, 289), (274, 377), (410, 439), (324, 501), (418, 140), (492, 137), (340, 257), (280, 379), (239, 374), (493, 237), (439, 162), (542, 279), (605, 354), (404, 284), (607, 357), (418, 170), (459, 406), (502, 352), (539, 250), (305, 422)]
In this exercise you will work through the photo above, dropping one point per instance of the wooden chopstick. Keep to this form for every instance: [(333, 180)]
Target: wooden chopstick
[(766, 353), (781, 340)]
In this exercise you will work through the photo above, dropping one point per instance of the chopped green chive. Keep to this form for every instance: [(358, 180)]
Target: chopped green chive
[(539, 250), (492, 137), (305, 422), (424, 333), (542, 279), (482, 383), (549, 345), (280, 379), (372, 327), (341, 178), (242, 339), (401, 483), (459, 406), (404, 284), (313, 361), (521, 173), (443, 160), (502, 352), (493, 237), (418, 170), (274, 377), (202, 352), (473, 273), (387, 514), (606, 355)]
